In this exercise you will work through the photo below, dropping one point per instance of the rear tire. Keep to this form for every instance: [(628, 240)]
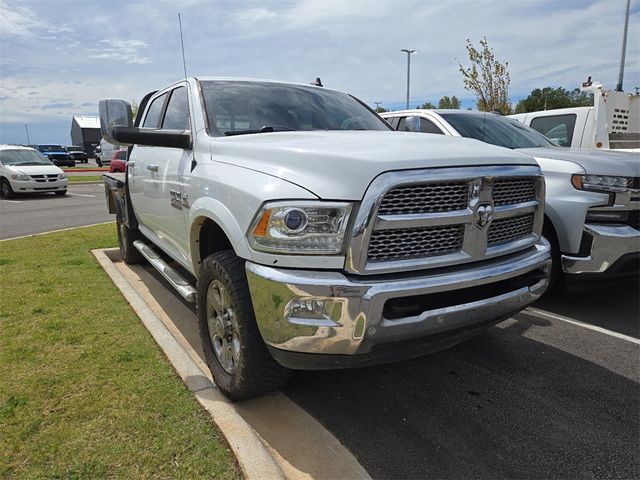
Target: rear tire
[(126, 236), (238, 358), (5, 189)]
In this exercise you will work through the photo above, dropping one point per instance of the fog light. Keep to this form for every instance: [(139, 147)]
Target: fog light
[(313, 311)]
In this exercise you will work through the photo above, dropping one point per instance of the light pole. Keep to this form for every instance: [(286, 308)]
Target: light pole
[(27, 129), (408, 52)]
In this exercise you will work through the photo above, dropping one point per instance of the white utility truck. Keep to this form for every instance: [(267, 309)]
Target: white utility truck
[(311, 235), (612, 123)]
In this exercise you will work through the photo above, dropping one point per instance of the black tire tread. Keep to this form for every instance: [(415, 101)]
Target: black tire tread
[(258, 373), (10, 193)]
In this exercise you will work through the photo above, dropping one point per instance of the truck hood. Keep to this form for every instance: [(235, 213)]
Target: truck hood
[(340, 165), (596, 162)]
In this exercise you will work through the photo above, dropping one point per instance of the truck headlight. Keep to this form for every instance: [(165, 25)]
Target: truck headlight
[(21, 177), (62, 176), (315, 228), (601, 183)]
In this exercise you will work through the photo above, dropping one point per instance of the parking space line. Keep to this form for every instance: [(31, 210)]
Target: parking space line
[(536, 312), (80, 195), (11, 201)]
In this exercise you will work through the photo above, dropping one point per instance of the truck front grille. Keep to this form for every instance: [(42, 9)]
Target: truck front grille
[(432, 218), (406, 243)]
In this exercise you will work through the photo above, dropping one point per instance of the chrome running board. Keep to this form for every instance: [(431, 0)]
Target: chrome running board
[(174, 278)]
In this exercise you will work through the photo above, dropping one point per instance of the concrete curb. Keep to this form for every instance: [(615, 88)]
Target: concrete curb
[(254, 458)]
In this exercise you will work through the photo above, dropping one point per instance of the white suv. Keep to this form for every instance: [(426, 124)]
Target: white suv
[(25, 170)]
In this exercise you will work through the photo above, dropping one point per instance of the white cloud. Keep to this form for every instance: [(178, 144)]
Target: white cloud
[(127, 51)]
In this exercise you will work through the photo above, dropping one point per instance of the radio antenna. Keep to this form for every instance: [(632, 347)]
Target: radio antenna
[(184, 63)]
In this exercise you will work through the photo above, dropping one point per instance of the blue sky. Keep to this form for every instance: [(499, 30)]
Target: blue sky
[(58, 58)]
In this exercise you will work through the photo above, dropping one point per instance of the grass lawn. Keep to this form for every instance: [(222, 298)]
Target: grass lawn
[(84, 178), (85, 392)]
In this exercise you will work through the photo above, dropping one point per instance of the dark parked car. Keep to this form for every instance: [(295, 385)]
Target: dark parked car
[(57, 155), (77, 154), (118, 161)]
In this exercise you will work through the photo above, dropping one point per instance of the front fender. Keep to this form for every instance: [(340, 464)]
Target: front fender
[(566, 206)]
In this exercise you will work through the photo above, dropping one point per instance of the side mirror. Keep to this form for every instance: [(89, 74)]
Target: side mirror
[(152, 137), (413, 124), (114, 113)]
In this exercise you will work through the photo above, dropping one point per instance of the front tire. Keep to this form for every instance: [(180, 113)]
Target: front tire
[(5, 189), (126, 236), (241, 365)]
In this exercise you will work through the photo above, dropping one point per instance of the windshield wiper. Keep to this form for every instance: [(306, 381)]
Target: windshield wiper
[(265, 129), (31, 163)]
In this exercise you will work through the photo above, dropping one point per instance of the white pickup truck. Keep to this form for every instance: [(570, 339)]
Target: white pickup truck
[(593, 197), (612, 123), (317, 237)]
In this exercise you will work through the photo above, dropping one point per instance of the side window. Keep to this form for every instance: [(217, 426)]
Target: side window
[(177, 114), (427, 126), (122, 155), (557, 128), (154, 111), (402, 125)]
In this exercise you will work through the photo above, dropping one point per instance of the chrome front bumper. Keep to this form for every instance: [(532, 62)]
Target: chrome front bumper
[(326, 312), (609, 244)]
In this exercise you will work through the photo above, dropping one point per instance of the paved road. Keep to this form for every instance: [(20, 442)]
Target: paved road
[(29, 214), (530, 398)]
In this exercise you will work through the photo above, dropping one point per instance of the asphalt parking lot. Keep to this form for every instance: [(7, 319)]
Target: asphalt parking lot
[(29, 214), (534, 397)]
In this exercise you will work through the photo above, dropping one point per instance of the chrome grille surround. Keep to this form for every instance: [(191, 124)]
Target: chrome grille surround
[(370, 250)]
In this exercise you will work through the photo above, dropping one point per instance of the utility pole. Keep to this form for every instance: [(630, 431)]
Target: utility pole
[(27, 129), (377, 105), (408, 52), (624, 48)]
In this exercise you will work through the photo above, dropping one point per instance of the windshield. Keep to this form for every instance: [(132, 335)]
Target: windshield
[(23, 157), (236, 107), (50, 148), (497, 130)]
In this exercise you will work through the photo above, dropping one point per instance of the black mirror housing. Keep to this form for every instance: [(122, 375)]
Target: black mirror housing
[(153, 137)]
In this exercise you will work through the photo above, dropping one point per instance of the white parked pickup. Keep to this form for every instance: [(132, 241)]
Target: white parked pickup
[(316, 235)]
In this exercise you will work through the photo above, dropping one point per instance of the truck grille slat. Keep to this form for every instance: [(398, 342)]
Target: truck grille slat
[(514, 190), (428, 198), (407, 243), (510, 229)]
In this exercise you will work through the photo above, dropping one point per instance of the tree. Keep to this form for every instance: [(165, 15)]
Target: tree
[(381, 110), (134, 109), (449, 103), (549, 98), (487, 78), (427, 106)]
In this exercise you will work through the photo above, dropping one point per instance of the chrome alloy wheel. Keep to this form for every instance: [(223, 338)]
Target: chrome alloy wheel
[(223, 329)]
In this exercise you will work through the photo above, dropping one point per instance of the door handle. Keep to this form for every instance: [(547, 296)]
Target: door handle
[(152, 167)]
